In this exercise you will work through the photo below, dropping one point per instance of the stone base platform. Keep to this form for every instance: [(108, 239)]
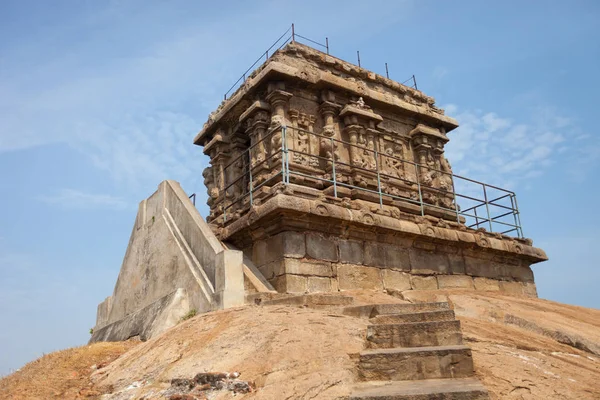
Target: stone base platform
[(303, 242)]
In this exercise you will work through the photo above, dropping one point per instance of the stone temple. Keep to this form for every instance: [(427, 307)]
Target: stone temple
[(323, 177)]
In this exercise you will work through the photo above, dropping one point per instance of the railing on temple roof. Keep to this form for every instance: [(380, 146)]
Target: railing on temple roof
[(290, 36)]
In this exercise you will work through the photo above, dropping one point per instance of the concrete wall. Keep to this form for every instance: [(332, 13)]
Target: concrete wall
[(171, 249), (148, 321), (153, 267), (203, 243)]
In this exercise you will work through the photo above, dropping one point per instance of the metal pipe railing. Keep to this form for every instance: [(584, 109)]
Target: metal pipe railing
[(246, 181), (291, 37), (278, 44)]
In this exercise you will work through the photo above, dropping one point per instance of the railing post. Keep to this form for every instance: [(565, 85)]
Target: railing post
[(333, 169), (282, 155), (327, 44), (487, 207), (476, 217), (419, 187), (512, 206), (284, 163), (287, 158), (378, 179), (293, 34), (518, 215), (250, 175), (455, 199)]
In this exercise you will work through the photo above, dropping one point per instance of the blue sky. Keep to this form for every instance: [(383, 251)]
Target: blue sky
[(100, 101)]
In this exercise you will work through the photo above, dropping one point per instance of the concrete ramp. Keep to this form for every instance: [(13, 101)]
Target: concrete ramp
[(173, 264)]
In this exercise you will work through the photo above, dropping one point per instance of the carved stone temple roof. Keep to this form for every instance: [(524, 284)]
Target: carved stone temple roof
[(318, 70)]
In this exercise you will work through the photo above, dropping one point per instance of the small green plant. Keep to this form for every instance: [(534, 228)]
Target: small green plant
[(91, 331), (153, 219), (190, 314)]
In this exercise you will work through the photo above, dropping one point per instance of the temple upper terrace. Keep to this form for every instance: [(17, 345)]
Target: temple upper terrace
[(313, 125)]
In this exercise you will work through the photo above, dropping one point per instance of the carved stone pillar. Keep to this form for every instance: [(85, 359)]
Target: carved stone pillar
[(353, 131), (211, 187), (428, 144), (236, 174), (328, 148), (361, 127), (278, 99), (218, 151), (369, 155), (256, 120)]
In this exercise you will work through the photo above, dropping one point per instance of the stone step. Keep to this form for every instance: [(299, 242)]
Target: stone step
[(373, 310), (425, 316), (415, 363), (317, 300), (427, 389), (418, 334)]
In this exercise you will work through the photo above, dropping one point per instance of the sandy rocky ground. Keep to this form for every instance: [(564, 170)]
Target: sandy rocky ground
[(523, 349)]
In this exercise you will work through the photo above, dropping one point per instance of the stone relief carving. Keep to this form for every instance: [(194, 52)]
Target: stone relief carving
[(367, 149), (391, 164), (209, 182), (303, 144)]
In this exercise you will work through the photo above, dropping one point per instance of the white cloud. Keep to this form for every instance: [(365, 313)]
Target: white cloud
[(144, 149), (72, 198), (498, 150), (134, 107)]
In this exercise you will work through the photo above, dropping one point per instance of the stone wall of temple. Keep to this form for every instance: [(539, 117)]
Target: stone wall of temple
[(332, 177), (300, 262), (383, 127)]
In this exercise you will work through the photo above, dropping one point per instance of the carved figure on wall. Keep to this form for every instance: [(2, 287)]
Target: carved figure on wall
[(445, 179), (301, 142), (330, 150), (368, 154), (446, 184), (360, 103), (235, 171), (300, 147), (276, 143), (260, 122), (209, 182), (391, 165), (426, 168)]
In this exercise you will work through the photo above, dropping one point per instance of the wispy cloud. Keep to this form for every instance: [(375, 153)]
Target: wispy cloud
[(134, 111), (500, 150), (76, 199)]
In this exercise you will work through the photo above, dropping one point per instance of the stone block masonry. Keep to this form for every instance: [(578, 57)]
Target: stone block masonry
[(300, 262)]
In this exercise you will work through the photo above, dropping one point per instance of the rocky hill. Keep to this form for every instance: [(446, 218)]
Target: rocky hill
[(523, 348)]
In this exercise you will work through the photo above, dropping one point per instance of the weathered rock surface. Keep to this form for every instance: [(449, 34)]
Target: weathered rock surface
[(295, 352), (438, 389)]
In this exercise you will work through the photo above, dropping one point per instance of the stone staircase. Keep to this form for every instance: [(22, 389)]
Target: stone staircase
[(415, 352)]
